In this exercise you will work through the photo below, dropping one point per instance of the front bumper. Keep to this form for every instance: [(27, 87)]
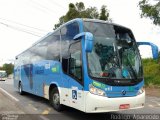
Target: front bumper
[(97, 104)]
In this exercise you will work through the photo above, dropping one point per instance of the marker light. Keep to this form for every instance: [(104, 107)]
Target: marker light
[(96, 91)]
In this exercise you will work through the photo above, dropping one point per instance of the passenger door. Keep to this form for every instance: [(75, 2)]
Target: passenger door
[(72, 66), (76, 91)]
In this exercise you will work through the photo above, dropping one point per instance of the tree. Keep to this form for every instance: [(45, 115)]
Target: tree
[(150, 11), (80, 6), (8, 68), (91, 13), (104, 15), (61, 21), (73, 12), (78, 10)]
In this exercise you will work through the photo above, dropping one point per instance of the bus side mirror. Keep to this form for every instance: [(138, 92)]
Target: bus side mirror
[(88, 40), (153, 46)]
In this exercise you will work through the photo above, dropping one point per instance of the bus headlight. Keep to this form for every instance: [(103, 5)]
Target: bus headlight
[(96, 91), (140, 91)]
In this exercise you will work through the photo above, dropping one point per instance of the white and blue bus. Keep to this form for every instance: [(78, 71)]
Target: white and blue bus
[(87, 64), (3, 75)]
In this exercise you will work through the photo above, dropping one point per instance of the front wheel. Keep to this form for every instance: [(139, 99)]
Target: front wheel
[(55, 100)]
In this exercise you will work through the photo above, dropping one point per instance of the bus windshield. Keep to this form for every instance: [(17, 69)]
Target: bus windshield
[(115, 54), (3, 74)]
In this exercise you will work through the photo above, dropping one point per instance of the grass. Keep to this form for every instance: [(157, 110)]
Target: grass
[(151, 72)]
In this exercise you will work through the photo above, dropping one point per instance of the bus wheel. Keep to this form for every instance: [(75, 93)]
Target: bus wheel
[(55, 100), (20, 89)]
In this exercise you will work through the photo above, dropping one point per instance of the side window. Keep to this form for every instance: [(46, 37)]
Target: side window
[(69, 31), (67, 34), (53, 47), (75, 62), (38, 51), (48, 48)]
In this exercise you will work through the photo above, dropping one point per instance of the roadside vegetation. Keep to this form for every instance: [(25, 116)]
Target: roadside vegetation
[(8, 68), (151, 72)]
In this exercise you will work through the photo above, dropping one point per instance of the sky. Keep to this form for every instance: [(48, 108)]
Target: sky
[(37, 17)]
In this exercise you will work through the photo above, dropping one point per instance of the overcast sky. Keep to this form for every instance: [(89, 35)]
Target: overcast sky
[(43, 14)]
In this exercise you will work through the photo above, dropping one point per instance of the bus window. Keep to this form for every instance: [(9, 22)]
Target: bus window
[(67, 34), (53, 47), (69, 31), (75, 62)]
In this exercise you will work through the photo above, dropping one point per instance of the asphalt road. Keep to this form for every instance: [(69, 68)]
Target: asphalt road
[(29, 107)]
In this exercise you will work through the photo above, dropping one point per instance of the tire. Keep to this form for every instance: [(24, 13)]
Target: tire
[(55, 100), (20, 89)]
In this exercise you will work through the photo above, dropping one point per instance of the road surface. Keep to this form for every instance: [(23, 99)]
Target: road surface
[(29, 107)]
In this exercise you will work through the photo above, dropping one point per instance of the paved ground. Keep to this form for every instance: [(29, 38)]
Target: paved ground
[(30, 107), (150, 91)]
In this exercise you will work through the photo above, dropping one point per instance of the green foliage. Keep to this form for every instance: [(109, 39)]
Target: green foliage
[(8, 68), (78, 10), (104, 13), (150, 11), (151, 72)]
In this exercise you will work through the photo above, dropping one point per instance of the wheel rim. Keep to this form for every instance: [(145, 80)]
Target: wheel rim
[(56, 99)]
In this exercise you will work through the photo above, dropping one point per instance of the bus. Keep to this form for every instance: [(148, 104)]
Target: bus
[(3, 75), (87, 64)]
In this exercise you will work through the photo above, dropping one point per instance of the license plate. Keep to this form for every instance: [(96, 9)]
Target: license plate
[(124, 106)]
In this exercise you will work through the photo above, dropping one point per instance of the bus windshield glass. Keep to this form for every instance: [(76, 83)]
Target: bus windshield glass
[(3, 74), (115, 54)]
